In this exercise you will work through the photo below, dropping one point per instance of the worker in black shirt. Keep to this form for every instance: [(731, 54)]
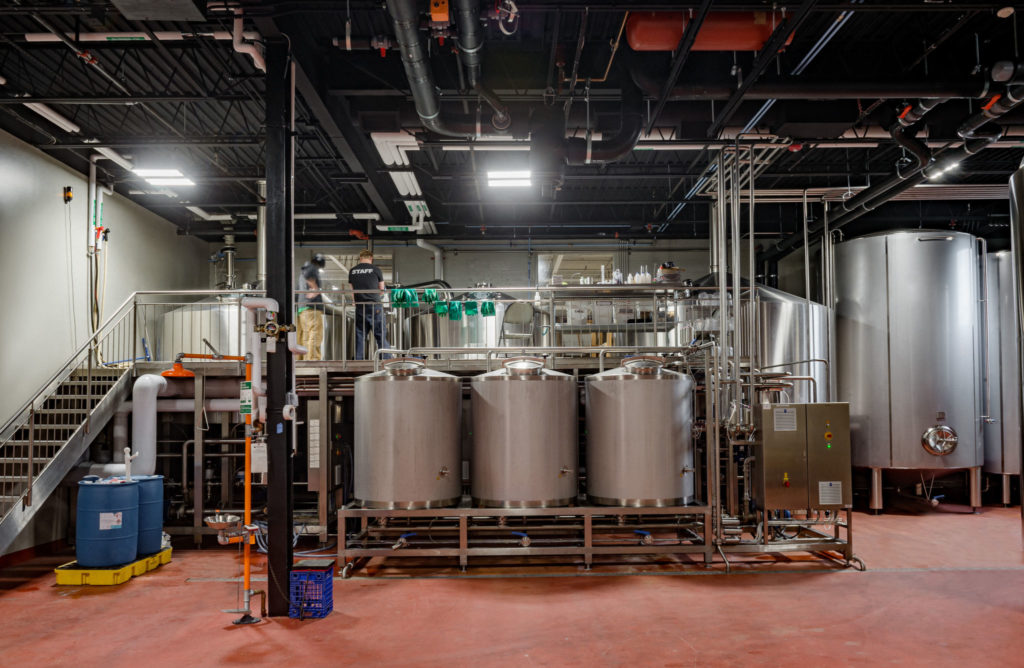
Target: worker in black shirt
[(369, 312), (310, 326)]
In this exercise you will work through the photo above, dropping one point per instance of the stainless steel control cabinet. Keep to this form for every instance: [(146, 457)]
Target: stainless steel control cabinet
[(803, 457)]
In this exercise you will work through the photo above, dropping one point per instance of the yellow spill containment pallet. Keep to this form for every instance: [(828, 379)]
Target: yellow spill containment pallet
[(73, 574)]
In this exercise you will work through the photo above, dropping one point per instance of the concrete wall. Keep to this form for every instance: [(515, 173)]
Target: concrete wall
[(43, 270), (43, 278)]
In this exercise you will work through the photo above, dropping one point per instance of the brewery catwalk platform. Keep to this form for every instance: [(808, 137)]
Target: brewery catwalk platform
[(942, 590)]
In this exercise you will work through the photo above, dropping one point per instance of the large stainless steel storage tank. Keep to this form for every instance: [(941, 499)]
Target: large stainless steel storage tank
[(525, 443), (639, 441), (407, 437), (1002, 434), (909, 351)]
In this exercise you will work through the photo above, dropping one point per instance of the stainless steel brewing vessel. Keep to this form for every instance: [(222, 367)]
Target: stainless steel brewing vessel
[(793, 337), (525, 444), (639, 441), (407, 437), (909, 349), (184, 329), (1002, 394)]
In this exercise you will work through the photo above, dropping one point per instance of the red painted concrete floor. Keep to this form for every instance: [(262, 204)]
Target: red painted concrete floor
[(941, 589)]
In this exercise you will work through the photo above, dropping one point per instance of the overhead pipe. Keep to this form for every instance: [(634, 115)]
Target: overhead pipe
[(904, 180), (247, 48), (438, 257), (471, 43), (588, 152), (405, 15)]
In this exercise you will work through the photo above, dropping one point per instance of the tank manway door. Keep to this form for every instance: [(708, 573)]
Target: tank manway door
[(803, 458)]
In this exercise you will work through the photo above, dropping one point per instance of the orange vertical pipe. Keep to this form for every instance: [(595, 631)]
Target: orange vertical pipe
[(247, 539)]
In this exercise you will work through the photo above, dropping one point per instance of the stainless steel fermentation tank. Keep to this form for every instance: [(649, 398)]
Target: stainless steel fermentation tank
[(639, 440), (1002, 434), (408, 437), (183, 329), (525, 436), (909, 343)]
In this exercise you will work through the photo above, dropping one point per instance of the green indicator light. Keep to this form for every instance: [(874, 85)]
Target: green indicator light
[(828, 445)]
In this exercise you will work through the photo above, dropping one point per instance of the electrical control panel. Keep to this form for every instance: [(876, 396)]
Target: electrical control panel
[(802, 457)]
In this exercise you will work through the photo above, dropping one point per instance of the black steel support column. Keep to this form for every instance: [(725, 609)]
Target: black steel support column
[(280, 241)]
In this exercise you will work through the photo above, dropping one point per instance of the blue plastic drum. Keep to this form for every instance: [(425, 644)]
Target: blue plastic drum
[(107, 532), (151, 513)]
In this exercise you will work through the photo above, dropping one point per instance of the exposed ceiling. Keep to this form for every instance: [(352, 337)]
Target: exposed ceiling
[(194, 103)]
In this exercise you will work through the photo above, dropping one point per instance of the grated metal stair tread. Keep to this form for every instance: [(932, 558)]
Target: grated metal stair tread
[(79, 415)]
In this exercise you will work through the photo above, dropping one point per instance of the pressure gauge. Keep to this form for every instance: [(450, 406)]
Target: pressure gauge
[(939, 440)]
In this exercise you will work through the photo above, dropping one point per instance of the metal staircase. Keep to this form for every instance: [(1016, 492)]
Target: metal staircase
[(46, 439)]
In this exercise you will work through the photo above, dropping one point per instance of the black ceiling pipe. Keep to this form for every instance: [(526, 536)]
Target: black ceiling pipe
[(406, 17), (903, 180), (587, 152), (922, 156), (471, 43), (998, 106), (933, 169), (471, 38)]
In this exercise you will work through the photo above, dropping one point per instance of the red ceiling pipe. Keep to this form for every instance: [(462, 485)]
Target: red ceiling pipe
[(721, 31)]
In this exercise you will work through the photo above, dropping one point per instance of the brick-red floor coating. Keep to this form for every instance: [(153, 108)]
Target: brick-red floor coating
[(941, 589)]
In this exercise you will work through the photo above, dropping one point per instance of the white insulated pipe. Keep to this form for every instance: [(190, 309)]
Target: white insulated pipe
[(247, 48), (144, 409), (251, 305), (438, 257)]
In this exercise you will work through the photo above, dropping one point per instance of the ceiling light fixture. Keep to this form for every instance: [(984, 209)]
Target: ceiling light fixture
[(170, 182), (164, 177), (1005, 12), (157, 172), (509, 179)]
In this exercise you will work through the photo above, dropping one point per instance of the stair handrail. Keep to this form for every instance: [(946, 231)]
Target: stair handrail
[(67, 368), (94, 340)]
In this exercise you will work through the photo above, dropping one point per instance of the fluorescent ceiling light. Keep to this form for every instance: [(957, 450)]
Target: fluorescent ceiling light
[(510, 183), (521, 174), (509, 179), (170, 182), (158, 172)]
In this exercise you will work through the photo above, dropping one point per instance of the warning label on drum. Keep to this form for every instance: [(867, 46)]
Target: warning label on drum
[(785, 419), (110, 521), (830, 493)]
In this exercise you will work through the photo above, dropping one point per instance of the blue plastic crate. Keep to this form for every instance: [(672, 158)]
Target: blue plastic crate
[(311, 592)]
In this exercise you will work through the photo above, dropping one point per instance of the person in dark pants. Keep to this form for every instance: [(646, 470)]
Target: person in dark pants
[(369, 311)]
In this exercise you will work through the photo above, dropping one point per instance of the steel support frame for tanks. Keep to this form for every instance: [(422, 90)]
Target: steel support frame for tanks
[(349, 552), (808, 540)]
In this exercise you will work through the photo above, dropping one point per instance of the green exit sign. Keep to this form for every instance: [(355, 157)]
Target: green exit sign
[(399, 228)]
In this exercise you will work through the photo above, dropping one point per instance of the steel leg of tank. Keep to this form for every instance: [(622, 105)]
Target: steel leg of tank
[(463, 543), (975, 487), (1006, 489), (875, 504)]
